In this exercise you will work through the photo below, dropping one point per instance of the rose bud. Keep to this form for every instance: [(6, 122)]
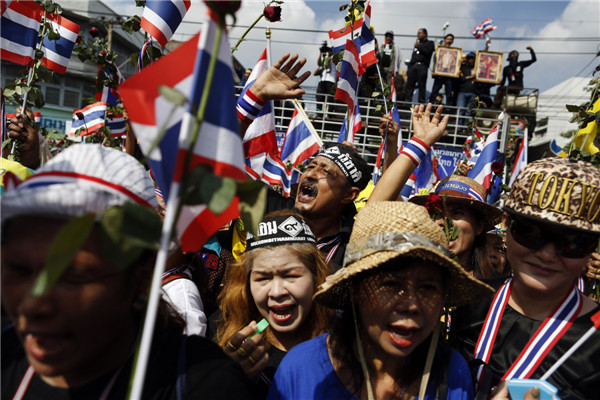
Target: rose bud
[(273, 13), (79, 39), (79, 115), (93, 32)]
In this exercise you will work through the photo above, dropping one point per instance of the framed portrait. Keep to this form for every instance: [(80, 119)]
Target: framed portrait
[(488, 67), (447, 61)]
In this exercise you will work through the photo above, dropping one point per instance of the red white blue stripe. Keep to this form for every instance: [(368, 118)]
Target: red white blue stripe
[(260, 135), (275, 173), (117, 125), (542, 341), (408, 188), (219, 143), (93, 119), (485, 27), (482, 171), (140, 62), (366, 41), (19, 27), (301, 142), (347, 89), (338, 38), (109, 95), (57, 53), (161, 18), (356, 127), (521, 159), (416, 150)]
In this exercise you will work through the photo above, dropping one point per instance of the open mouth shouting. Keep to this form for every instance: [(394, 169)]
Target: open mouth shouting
[(402, 335), (307, 191), (282, 314)]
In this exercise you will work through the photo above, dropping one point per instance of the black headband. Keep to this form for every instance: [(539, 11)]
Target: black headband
[(343, 161), (280, 230)]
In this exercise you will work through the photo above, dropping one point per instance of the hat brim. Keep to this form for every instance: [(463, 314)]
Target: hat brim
[(463, 288), (492, 215)]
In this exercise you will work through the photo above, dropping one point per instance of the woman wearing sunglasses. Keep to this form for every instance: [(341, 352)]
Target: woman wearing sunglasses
[(553, 222)]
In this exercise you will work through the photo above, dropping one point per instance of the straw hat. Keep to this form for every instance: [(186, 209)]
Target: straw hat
[(85, 178), (468, 192), (386, 230)]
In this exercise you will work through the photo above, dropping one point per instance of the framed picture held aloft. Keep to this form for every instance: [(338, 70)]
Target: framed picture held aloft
[(488, 67), (447, 61)]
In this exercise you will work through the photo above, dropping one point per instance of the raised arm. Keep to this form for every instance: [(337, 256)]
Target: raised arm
[(277, 83), (427, 131), (533, 58)]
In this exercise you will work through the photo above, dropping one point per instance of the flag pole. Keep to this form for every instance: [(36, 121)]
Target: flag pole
[(30, 77), (143, 351), (382, 89)]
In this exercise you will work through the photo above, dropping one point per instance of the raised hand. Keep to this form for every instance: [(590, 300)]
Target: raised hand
[(427, 128), (278, 82), (21, 127)]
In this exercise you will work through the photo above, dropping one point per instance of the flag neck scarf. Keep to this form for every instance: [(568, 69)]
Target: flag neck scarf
[(543, 340)]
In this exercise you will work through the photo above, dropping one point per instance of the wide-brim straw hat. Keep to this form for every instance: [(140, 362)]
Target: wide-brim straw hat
[(468, 192), (387, 230)]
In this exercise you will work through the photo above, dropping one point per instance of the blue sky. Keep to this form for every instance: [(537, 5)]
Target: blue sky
[(519, 20)]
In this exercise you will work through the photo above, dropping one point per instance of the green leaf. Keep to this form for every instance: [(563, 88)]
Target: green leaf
[(60, 255), (173, 95), (253, 201), (126, 231), (204, 187)]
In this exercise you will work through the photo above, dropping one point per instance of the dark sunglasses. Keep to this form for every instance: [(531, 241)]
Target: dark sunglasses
[(568, 243)]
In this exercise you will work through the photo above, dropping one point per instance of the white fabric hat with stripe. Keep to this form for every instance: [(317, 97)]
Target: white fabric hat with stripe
[(85, 178)]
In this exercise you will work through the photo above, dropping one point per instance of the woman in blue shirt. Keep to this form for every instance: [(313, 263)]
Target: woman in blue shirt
[(398, 275)]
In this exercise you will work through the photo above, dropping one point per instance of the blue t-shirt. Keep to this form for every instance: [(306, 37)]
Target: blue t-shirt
[(306, 372)]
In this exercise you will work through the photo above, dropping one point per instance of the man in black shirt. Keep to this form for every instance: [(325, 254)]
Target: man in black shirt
[(513, 72), (417, 68), (467, 89)]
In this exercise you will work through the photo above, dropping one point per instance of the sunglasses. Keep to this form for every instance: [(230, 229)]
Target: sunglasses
[(568, 243)]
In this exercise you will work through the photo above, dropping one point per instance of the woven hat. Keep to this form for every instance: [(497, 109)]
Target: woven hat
[(85, 178), (558, 190), (387, 230), (466, 191)]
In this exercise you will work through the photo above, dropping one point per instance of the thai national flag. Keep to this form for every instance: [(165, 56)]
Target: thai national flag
[(275, 173), (485, 27), (408, 188), (260, 136), (93, 119), (347, 89), (162, 17), (301, 141), (19, 27), (482, 171), (521, 159), (366, 41), (472, 148), (117, 125), (109, 95), (339, 37), (57, 53), (426, 177), (219, 143), (356, 126)]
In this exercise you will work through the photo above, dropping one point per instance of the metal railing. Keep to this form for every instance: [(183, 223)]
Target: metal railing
[(327, 118)]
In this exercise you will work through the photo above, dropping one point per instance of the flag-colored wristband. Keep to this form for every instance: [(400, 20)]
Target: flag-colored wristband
[(416, 150), (248, 106)]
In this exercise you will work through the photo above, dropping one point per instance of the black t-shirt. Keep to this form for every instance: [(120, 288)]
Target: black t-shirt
[(209, 373), (577, 378)]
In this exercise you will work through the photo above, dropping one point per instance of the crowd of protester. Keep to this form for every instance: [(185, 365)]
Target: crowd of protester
[(387, 302)]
